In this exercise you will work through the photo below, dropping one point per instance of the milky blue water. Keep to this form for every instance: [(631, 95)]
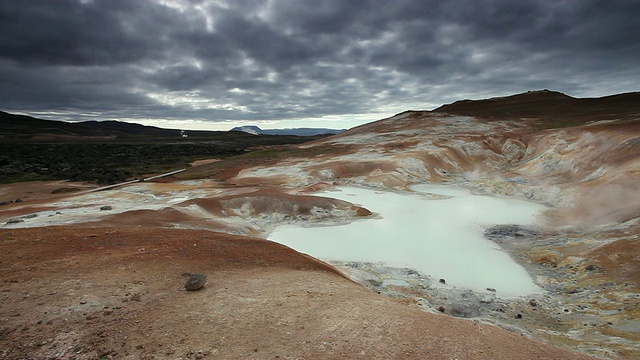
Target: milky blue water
[(440, 238)]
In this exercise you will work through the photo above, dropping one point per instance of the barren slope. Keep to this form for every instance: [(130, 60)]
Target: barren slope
[(85, 293)]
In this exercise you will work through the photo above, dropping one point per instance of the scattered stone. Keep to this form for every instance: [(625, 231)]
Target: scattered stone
[(14, 221), (509, 232), (533, 302), (491, 289), (18, 200), (487, 299), (442, 281), (441, 308), (591, 268), (106, 207), (412, 272), (102, 353), (519, 316), (195, 282), (465, 310)]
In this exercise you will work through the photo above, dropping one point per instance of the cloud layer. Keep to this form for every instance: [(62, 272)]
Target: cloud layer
[(294, 60)]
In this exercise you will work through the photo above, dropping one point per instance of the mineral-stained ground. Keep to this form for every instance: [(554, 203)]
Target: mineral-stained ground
[(101, 274)]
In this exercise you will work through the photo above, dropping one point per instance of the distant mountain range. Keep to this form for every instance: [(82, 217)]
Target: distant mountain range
[(27, 127), (294, 131), (22, 125), (550, 108)]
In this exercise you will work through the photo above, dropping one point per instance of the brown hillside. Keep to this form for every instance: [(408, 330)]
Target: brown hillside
[(553, 109)]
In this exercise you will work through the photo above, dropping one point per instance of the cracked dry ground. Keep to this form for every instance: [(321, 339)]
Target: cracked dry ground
[(86, 293)]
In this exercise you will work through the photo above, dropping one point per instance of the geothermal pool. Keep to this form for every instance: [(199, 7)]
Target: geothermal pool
[(442, 238)]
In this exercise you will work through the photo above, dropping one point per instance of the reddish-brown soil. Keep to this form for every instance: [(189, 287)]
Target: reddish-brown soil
[(619, 260), (85, 293), (204, 162), (41, 190)]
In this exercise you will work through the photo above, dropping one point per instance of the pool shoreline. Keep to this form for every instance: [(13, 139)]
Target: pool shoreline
[(466, 241)]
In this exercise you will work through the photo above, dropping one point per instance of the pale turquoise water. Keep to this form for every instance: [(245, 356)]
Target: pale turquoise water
[(441, 238)]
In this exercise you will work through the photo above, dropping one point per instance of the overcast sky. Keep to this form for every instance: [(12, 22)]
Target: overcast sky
[(294, 63)]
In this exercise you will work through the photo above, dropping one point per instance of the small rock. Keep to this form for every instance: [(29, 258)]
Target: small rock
[(106, 352), (106, 207), (14, 221), (441, 308), (519, 316), (487, 299), (442, 281), (491, 289), (412, 272), (195, 282), (465, 310), (17, 200), (509, 232), (533, 302)]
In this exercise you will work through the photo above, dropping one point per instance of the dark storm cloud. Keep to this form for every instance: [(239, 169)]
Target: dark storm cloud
[(64, 32), (257, 60)]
